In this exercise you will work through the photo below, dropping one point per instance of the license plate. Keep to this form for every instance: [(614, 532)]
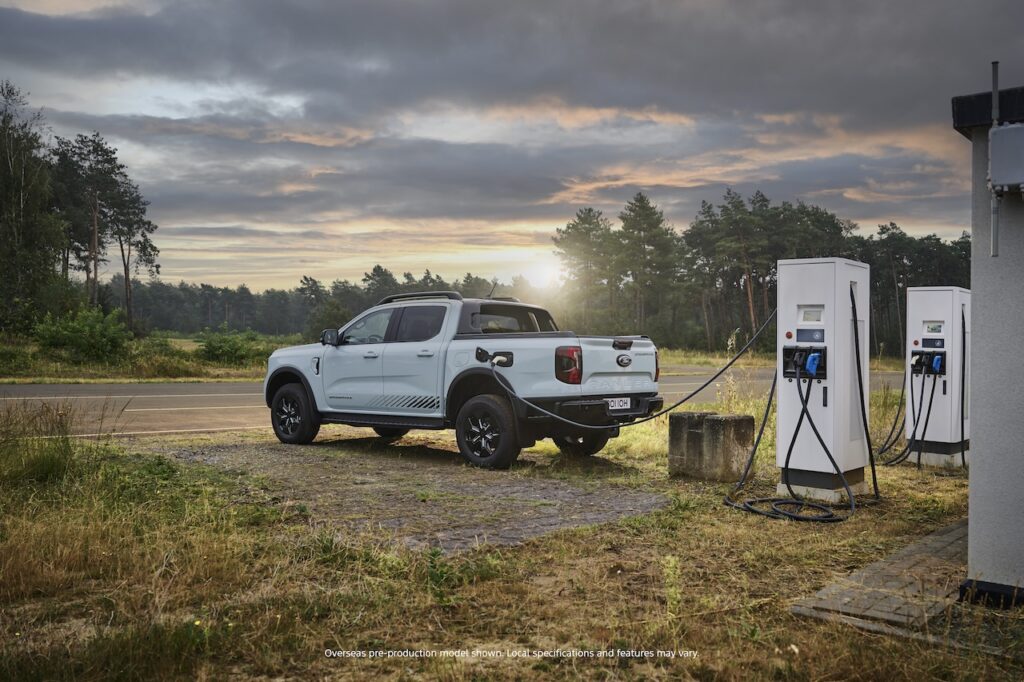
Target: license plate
[(618, 403)]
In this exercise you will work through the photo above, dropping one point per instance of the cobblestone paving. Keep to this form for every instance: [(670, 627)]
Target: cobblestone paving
[(905, 589)]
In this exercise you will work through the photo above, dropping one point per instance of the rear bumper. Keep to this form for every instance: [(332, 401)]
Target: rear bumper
[(593, 410)]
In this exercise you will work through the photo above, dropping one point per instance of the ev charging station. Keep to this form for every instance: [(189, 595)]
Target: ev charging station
[(938, 369), (816, 364)]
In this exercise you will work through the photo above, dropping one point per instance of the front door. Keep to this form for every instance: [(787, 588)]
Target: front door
[(412, 362), (352, 369)]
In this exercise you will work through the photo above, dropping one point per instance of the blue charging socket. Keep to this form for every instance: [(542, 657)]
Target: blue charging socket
[(937, 364), (812, 363)]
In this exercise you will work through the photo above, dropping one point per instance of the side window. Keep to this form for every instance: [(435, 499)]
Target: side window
[(368, 329), (420, 323)]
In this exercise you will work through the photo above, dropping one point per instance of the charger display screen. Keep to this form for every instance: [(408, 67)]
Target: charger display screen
[(810, 335)]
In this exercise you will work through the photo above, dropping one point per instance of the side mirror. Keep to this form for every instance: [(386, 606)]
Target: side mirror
[(329, 337)]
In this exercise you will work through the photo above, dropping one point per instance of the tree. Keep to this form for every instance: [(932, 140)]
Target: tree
[(380, 282), (648, 253), (583, 245), (312, 290), (30, 235), (90, 189), (474, 287), (131, 230), (330, 314)]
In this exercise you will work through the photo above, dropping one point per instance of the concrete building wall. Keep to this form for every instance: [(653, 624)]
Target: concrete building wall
[(996, 524)]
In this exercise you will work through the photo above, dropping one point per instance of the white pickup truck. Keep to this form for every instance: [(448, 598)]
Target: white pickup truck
[(422, 361)]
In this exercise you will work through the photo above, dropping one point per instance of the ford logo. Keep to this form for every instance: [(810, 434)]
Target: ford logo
[(624, 361)]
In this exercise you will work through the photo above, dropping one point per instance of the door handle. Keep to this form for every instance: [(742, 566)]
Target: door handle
[(425, 354), (370, 354)]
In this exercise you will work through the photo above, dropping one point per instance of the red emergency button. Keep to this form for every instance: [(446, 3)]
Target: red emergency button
[(915, 342), (789, 335)]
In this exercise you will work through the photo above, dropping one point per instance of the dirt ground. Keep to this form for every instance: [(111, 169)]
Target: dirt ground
[(418, 489)]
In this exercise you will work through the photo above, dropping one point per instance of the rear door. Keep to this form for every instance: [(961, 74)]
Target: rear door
[(412, 368), (352, 370)]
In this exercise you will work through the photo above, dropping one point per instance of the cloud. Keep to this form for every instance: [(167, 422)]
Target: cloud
[(457, 128)]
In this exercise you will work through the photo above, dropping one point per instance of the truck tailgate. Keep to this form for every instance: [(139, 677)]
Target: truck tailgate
[(618, 364)]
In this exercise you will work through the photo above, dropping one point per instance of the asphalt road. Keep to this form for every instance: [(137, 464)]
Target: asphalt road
[(136, 409)]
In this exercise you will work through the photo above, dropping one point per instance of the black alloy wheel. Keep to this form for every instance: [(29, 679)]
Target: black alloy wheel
[(486, 432), (294, 420)]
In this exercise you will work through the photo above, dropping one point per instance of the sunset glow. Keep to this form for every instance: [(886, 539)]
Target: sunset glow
[(316, 141)]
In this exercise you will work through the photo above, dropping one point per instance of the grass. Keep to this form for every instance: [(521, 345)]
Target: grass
[(672, 357), (156, 358), (163, 358), (116, 565)]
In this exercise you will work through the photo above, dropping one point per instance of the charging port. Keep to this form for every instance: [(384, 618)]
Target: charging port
[(810, 359), (928, 362)]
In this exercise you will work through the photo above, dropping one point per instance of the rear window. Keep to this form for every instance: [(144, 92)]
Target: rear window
[(420, 323), (511, 319)]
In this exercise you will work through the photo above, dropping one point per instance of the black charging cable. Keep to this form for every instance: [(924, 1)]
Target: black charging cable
[(860, 387), (915, 440), (893, 436), (963, 381), (794, 507), (493, 357)]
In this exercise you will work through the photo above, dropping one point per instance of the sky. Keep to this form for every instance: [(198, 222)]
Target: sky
[(280, 139)]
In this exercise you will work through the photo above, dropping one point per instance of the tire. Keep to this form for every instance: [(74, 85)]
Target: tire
[(486, 432), (582, 444), (294, 420), (390, 433)]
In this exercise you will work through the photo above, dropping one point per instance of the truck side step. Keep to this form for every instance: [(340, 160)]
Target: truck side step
[(396, 421)]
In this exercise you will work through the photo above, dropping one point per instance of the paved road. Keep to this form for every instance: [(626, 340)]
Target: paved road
[(131, 409)]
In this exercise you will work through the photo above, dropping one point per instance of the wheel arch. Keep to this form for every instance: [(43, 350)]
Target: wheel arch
[(288, 375), (473, 382)]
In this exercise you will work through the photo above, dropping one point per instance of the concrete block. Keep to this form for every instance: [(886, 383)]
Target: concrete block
[(709, 446)]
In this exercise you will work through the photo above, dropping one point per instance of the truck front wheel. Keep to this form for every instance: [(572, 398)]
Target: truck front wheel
[(486, 432), (294, 419), (582, 444)]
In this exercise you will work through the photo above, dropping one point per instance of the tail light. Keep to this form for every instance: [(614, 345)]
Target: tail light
[(657, 367), (569, 364)]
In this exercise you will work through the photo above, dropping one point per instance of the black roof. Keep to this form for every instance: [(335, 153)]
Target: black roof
[(971, 111)]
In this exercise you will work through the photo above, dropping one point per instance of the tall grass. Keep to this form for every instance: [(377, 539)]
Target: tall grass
[(35, 443)]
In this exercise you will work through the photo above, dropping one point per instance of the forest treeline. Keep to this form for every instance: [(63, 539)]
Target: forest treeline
[(691, 289), (66, 204)]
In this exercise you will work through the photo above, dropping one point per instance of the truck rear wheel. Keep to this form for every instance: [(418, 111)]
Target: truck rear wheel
[(294, 420), (582, 444), (485, 430)]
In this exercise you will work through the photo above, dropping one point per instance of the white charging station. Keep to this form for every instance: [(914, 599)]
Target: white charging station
[(938, 341), (815, 318)]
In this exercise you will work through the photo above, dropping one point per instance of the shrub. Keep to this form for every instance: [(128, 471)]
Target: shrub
[(234, 347), (14, 357), (84, 336), (155, 357)]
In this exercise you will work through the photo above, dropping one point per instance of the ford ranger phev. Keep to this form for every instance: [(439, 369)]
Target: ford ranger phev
[(423, 361)]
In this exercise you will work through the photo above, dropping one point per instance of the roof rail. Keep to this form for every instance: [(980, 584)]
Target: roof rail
[(453, 295), (510, 299)]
